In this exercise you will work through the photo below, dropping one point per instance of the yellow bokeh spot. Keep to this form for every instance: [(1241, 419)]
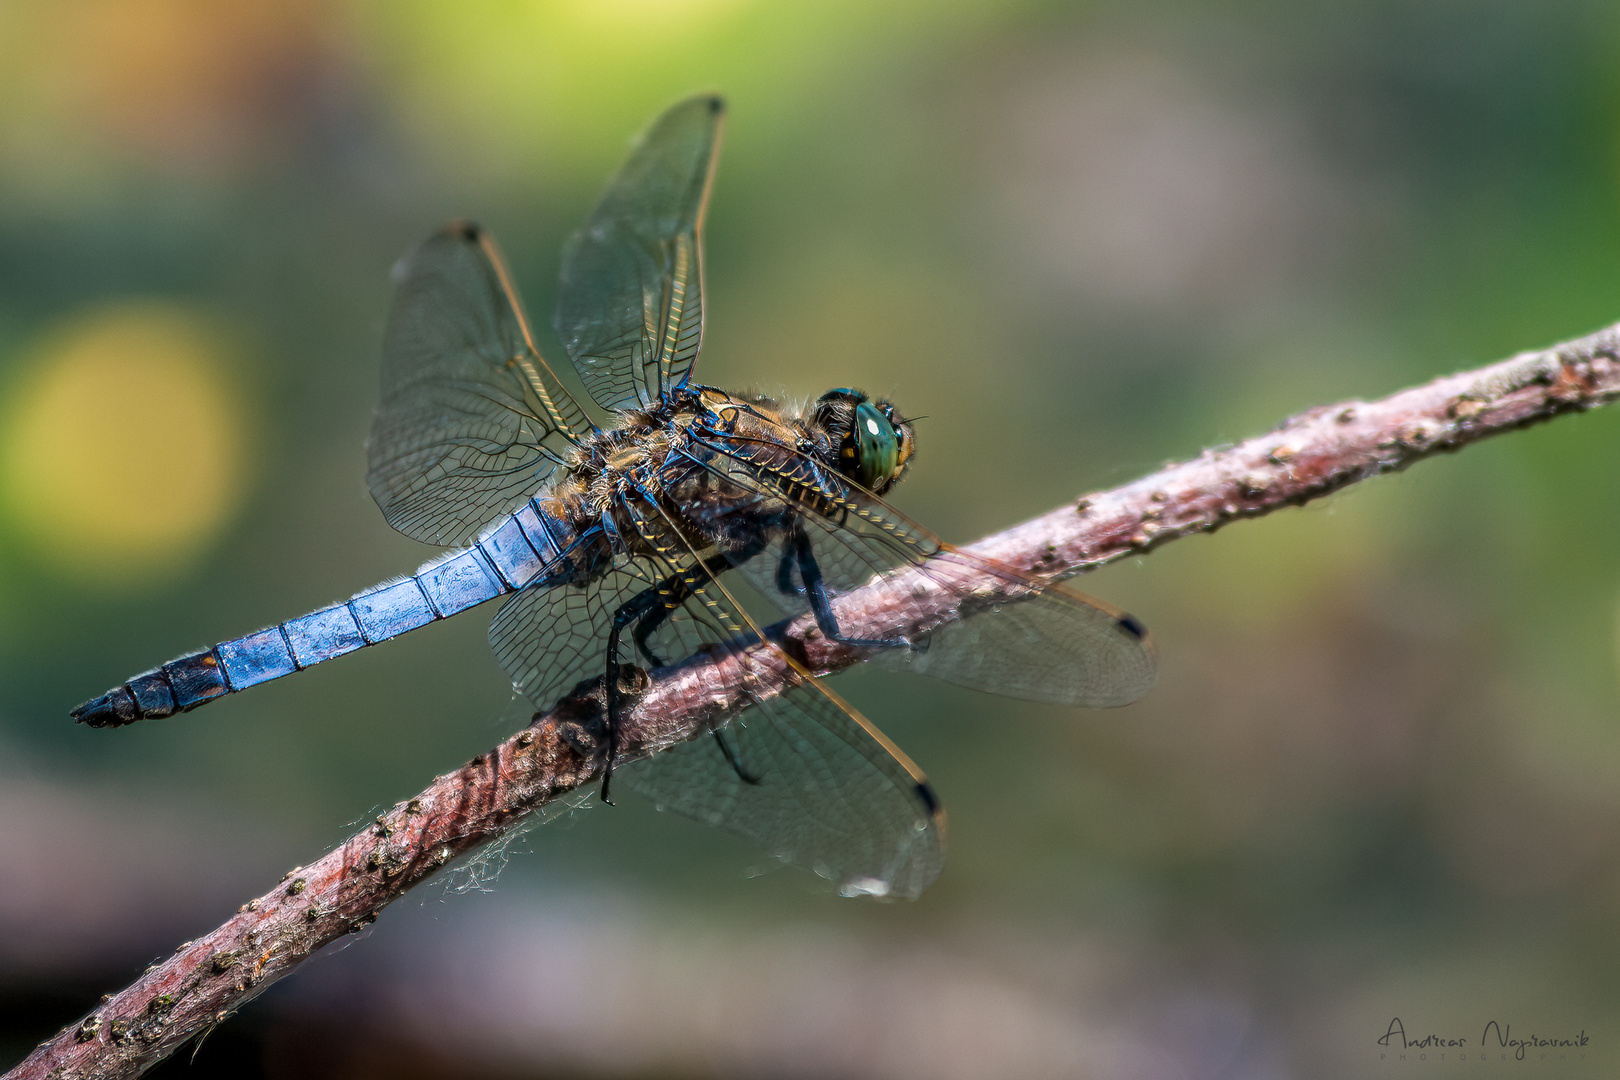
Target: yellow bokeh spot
[(122, 448)]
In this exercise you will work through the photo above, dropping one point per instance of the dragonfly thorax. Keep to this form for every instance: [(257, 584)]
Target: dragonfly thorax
[(627, 460)]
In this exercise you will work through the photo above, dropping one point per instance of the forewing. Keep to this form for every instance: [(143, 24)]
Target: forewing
[(1045, 643), (630, 297), (471, 420), (1058, 646)]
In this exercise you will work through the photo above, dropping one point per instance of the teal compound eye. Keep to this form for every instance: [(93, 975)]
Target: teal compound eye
[(876, 444), (873, 445)]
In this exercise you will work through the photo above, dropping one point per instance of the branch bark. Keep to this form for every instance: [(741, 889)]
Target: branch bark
[(1311, 455)]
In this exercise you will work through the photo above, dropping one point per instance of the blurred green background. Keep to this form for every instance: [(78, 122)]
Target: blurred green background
[(1380, 776)]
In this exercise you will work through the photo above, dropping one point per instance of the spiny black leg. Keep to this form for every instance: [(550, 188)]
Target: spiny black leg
[(628, 612), (653, 619), (816, 591), (784, 572), (731, 759), (674, 591), (670, 593), (648, 609)]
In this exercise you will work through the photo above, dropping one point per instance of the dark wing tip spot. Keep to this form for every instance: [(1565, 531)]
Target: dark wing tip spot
[(930, 800), (1129, 624), (467, 230), (717, 104)]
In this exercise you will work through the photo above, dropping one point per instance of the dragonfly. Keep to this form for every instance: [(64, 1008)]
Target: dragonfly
[(619, 544)]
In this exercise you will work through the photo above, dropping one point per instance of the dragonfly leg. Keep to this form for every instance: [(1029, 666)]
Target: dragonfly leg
[(634, 608), (647, 609), (784, 574), (730, 752), (677, 588), (667, 600), (661, 600), (815, 590)]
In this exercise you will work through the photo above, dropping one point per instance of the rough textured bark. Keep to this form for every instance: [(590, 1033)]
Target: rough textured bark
[(1310, 455)]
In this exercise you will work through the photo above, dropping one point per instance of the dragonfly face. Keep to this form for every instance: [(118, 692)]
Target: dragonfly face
[(873, 445), (617, 542)]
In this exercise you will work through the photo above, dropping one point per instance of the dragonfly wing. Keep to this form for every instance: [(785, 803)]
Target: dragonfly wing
[(471, 421), (809, 779), (1058, 646), (1047, 643), (801, 772), (832, 795), (630, 297), (547, 639)]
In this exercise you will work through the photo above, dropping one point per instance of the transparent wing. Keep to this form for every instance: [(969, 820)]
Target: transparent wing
[(1059, 646), (630, 299), (832, 795), (1054, 644), (813, 782), (471, 422), (547, 639)]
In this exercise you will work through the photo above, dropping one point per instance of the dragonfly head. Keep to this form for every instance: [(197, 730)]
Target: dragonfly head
[(873, 444)]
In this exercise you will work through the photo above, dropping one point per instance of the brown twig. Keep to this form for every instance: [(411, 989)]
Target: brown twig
[(1312, 454)]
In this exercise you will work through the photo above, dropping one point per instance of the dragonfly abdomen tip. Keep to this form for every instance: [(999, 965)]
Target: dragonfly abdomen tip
[(115, 708)]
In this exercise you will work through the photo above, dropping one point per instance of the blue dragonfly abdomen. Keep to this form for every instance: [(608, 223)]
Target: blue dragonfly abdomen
[(522, 550)]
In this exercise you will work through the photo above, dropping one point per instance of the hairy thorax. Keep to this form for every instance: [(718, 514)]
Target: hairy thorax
[(671, 476)]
